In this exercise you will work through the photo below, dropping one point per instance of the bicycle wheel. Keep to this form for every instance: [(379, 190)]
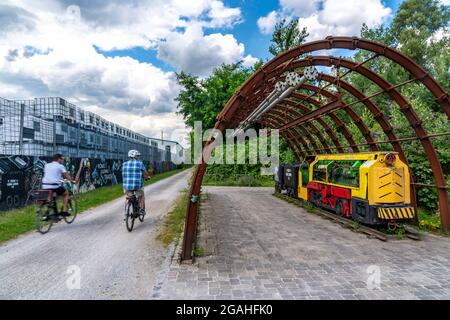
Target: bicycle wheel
[(129, 220), (72, 209), (42, 213)]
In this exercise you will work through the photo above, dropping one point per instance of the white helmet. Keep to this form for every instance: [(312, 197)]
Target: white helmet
[(133, 153)]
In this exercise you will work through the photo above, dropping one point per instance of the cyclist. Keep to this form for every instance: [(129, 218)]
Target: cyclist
[(133, 173), (54, 172)]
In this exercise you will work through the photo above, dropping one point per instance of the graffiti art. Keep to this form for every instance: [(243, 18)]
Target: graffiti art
[(21, 175)]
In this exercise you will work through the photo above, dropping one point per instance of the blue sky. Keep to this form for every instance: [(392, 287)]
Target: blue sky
[(118, 58), (246, 32)]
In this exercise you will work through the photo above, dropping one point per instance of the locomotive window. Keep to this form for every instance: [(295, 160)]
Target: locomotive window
[(320, 170), (345, 172)]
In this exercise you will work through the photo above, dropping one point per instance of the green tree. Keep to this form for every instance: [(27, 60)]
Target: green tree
[(203, 99), (415, 23), (287, 35)]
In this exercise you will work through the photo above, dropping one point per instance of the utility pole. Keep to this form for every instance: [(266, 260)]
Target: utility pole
[(54, 134), (78, 138), (22, 117)]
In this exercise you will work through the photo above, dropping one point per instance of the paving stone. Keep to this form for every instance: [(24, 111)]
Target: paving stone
[(261, 247)]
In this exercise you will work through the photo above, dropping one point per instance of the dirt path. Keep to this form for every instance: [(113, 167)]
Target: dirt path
[(112, 263)]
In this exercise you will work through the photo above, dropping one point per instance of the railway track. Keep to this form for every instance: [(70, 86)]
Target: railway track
[(347, 223)]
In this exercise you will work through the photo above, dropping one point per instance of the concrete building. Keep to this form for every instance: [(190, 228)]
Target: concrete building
[(43, 126)]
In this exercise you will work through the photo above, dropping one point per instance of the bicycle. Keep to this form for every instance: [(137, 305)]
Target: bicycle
[(46, 208), (132, 210)]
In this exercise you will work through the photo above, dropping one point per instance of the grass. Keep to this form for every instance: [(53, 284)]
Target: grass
[(18, 221), (429, 221), (242, 181), (199, 252), (174, 221)]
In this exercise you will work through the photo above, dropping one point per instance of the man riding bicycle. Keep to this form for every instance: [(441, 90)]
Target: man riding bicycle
[(133, 175), (54, 172)]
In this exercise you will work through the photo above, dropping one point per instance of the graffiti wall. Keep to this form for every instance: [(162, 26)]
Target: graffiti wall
[(20, 175)]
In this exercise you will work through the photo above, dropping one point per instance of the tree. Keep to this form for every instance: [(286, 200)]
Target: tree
[(414, 25), (287, 35), (203, 99)]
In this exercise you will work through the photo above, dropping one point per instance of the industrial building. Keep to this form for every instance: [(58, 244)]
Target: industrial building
[(44, 126)]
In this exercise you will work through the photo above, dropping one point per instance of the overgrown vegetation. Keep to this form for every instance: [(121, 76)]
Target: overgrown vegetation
[(238, 180), (429, 221), (174, 220), (199, 252), (18, 221)]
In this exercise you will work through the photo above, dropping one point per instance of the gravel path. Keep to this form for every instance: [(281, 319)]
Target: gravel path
[(111, 262)]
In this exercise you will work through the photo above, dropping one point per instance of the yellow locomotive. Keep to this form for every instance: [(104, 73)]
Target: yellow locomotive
[(372, 188)]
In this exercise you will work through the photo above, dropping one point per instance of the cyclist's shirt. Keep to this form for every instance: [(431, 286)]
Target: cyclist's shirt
[(53, 174), (132, 174)]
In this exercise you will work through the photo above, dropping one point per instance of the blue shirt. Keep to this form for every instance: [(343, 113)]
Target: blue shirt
[(132, 174)]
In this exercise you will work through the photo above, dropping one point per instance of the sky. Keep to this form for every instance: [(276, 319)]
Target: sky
[(119, 58)]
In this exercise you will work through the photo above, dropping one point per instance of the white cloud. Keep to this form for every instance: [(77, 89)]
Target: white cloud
[(300, 8), (267, 24), (344, 18), (223, 16), (196, 53), (48, 48), (333, 17), (58, 58)]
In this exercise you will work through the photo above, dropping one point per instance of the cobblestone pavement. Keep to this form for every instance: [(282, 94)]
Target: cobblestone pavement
[(261, 247)]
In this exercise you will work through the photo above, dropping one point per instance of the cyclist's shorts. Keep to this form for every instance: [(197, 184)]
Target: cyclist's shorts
[(139, 193), (59, 191)]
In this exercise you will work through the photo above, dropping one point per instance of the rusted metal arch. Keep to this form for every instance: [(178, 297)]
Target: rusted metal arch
[(310, 138), (348, 136), (339, 124), (289, 138), (293, 107), (280, 120), (408, 112), (292, 142), (281, 117), (298, 154), (293, 137), (378, 115), (365, 132), (294, 111), (322, 123), (351, 43), (229, 117)]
